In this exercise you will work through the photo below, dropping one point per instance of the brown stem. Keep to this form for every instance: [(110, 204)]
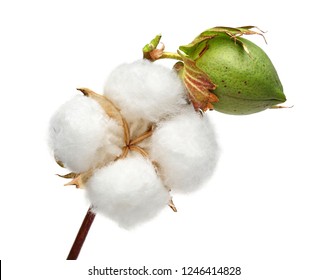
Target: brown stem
[(81, 235), (142, 137)]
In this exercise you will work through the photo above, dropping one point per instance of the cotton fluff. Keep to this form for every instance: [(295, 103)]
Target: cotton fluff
[(82, 136), (186, 150), (145, 90), (128, 191)]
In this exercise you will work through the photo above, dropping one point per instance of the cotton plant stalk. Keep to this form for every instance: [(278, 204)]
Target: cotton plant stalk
[(147, 136)]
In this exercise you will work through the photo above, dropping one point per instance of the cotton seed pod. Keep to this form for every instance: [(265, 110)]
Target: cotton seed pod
[(82, 136), (128, 191), (186, 150), (241, 75)]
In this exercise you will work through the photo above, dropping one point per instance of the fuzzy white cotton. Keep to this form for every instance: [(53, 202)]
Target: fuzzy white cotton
[(128, 191), (145, 90), (186, 149), (82, 136)]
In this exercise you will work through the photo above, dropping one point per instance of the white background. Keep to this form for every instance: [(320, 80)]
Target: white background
[(264, 210)]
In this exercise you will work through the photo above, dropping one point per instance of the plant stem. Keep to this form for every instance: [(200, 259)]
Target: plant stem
[(81, 235), (170, 55)]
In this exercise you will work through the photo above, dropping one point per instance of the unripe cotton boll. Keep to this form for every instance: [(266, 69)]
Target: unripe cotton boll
[(128, 191), (82, 136), (185, 149), (144, 90), (246, 83), (238, 72)]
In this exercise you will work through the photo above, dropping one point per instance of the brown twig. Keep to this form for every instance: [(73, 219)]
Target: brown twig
[(81, 235)]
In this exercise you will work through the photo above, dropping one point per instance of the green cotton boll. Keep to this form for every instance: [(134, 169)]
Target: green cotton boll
[(245, 78)]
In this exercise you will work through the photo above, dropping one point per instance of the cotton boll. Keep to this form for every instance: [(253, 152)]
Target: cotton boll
[(83, 136), (128, 191), (186, 150), (145, 90)]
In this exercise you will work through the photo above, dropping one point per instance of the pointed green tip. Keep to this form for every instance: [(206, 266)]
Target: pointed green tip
[(280, 97)]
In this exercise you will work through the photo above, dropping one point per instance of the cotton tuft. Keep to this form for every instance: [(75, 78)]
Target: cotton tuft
[(145, 90), (128, 191), (82, 136), (186, 150)]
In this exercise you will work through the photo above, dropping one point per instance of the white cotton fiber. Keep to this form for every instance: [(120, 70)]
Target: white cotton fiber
[(82, 135), (186, 150), (128, 191), (145, 90)]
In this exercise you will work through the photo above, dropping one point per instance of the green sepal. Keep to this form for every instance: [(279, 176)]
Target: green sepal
[(198, 84)]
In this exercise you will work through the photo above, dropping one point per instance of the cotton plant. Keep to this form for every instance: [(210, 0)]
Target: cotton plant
[(148, 136)]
